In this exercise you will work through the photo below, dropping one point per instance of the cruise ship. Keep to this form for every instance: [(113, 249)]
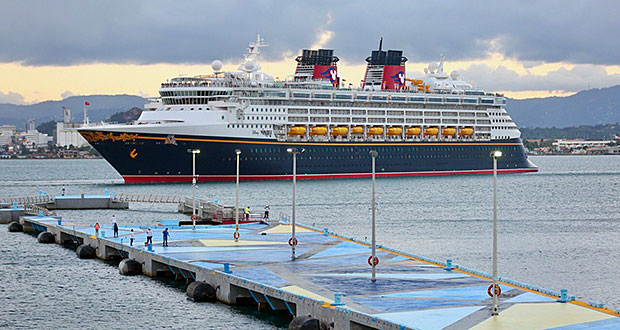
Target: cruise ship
[(436, 125)]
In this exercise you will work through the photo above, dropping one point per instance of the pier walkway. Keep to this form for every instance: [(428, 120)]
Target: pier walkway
[(330, 279)]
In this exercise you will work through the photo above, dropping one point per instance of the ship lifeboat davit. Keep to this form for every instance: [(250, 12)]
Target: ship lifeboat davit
[(394, 131), (357, 130), (413, 131), (296, 130), (466, 131), (448, 131), (340, 130), (318, 130), (431, 131), (375, 131)]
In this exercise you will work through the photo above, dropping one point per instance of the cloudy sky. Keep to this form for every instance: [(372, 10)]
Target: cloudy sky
[(55, 49)]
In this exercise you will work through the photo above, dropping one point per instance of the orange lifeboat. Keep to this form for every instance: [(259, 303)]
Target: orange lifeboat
[(296, 130), (431, 131), (375, 130), (466, 131), (448, 131), (413, 131), (340, 130), (357, 130), (318, 130), (394, 131)]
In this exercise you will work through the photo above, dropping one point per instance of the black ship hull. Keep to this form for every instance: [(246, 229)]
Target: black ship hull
[(148, 158)]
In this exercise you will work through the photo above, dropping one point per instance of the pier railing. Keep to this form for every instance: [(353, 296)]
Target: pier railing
[(32, 209), (148, 198), (23, 200)]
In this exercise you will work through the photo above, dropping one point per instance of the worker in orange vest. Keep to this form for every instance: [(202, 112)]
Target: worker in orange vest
[(97, 229)]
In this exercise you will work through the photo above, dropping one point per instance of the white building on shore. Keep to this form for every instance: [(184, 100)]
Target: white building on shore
[(66, 132)]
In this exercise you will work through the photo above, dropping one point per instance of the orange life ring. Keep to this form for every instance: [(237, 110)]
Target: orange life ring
[(236, 235), (373, 261), (292, 241), (194, 217), (498, 290)]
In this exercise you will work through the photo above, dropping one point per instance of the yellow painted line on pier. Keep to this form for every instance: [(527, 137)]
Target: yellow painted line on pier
[(225, 242), (540, 316), (306, 293), (283, 229)]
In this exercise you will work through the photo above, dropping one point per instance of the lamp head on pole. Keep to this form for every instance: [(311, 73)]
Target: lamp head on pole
[(496, 154), (238, 151), (295, 150), (193, 151), (374, 153)]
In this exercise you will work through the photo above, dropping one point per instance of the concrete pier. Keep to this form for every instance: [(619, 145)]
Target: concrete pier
[(330, 279)]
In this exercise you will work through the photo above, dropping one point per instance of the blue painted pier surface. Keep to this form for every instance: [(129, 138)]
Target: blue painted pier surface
[(330, 279)]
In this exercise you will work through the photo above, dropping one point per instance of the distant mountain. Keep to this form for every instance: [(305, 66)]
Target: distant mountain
[(101, 107), (590, 107), (125, 116), (586, 132)]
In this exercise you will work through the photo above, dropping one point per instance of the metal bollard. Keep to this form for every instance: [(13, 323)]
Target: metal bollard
[(150, 247), (448, 265), (59, 221), (337, 299), (563, 295), (227, 268), (325, 232)]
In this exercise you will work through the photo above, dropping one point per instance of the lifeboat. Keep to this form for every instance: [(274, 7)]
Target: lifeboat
[(466, 131), (431, 131), (357, 130), (340, 130), (448, 131), (375, 130), (413, 131), (296, 130), (394, 131), (318, 130)]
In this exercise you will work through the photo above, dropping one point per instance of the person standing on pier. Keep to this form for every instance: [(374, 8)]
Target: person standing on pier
[(115, 227), (247, 213), (132, 236), (166, 234), (97, 229), (113, 219), (266, 216), (149, 236)]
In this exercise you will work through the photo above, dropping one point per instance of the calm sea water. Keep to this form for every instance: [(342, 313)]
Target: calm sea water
[(559, 228)]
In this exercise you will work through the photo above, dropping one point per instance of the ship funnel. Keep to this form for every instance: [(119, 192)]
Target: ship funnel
[(318, 65), (385, 69)]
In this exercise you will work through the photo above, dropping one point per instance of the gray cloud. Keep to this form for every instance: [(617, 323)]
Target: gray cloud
[(12, 98), (73, 32), (66, 94)]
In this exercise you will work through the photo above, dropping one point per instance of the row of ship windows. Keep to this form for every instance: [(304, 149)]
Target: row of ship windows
[(502, 127), (248, 126), (340, 157), (194, 93), (365, 150), (264, 118)]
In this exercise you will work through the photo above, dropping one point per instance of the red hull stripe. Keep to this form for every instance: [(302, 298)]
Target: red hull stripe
[(206, 178)]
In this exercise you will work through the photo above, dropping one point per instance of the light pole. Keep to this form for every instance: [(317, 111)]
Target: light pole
[(374, 261), (194, 152), (236, 235), (293, 241), (495, 155)]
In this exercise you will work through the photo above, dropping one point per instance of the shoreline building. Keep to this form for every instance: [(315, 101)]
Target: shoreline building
[(67, 132)]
